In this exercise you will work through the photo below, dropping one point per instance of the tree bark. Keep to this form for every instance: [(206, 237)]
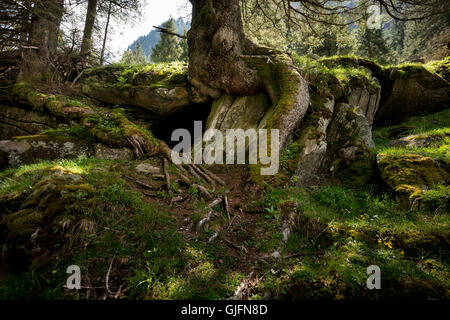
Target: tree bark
[(223, 60), (44, 30), (216, 43), (86, 44), (102, 54)]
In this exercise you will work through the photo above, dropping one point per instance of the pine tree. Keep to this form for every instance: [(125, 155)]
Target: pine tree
[(184, 48), (371, 43), (168, 49), (134, 57)]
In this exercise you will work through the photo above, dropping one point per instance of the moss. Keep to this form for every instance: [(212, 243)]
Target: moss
[(110, 127), (411, 175), (441, 68), (162, 75)]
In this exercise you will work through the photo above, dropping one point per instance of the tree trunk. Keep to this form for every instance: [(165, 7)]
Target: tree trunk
[(223, 60), (102, 54), (86, 44), (216, 43), (43, 38)]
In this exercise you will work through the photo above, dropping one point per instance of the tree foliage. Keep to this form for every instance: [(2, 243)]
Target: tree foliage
[(168, 48)]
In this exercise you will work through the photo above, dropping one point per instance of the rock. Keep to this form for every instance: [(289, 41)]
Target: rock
[(418, 140), (146, 168), (349, 139), (314, 146), (16, 121), (410, 175), (412, 91), (104, 152), (367, 102), (162, 101), (230, 112), (160, 88), (32, 149), (29, 217)]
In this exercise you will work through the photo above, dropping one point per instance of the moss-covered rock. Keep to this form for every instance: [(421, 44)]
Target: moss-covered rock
[(110, 127), (160, 88), (312, 142), (414, 91), (15, 121), (349, 137), (411, 175), (30, 216)]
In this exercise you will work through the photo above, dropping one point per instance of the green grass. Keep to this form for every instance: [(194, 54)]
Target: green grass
[(341, 232), (437, 123), (152, 260)]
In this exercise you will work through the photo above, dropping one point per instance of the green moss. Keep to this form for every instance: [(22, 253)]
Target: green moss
[(441, 68), (110, 127), (411, 175)]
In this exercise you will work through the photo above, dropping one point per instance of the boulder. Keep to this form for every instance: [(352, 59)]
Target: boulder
[(410, 175), (412, 91), (162, 101), (367, 101), (160, 88), (349, 139), (31, 149)]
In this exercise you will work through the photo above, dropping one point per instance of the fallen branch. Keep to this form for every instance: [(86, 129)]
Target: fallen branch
[(107, 279), (213, 237)]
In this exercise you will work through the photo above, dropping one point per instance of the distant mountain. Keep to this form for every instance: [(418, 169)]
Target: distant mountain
[(152, 38)]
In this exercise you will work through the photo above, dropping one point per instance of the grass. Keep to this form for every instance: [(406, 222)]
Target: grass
[(151, 259), (338, 234), (341, 232)]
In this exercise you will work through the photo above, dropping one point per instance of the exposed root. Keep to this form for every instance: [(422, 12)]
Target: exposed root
[(167, 175)]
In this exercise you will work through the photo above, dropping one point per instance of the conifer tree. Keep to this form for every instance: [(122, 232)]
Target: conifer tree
[(168, 49)]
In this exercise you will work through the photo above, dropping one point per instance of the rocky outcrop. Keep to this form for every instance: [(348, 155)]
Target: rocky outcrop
[(15, 121), (162, 89), (29, 217), (32, 149), (367, 101), (313, 144), (414, 91), (349, 138)]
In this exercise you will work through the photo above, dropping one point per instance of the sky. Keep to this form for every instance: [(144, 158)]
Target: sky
[(153, 13)]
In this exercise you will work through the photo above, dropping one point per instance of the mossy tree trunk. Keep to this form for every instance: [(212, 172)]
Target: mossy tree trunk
[(216, 45), (223, 60)]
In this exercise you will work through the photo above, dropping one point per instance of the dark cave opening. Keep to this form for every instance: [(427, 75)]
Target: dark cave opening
[(163, 128)]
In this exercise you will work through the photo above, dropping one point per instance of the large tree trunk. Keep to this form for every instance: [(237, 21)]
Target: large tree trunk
[(223, 60), (216, 45), (43, 39), (86, 44)]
